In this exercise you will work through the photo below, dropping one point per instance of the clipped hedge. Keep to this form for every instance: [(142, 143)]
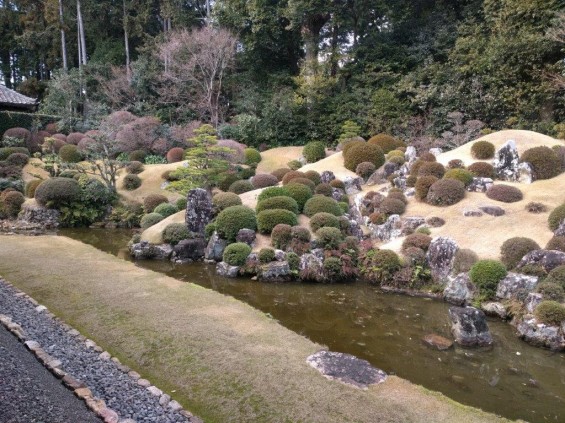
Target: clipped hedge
[(234, 218), (423, 185), (329, 238), (223, 200), (268, 219), (135, 167), (285, 203), (11, 203), (365, 169), (31, 186), (252, 156), (279, 173), (314, 151), (301, 193), (545, 162), (131, 182), (175, 154), (482, 170), (152, 201), (166, 209), (235, 254), (69, 154), (324, 189), (175, 233), (557, 276), (54, 192), (486, 274), (149, 220), (461, 175), (390, 206), (417, 240), (227, 180), (445, 192), (364, 152), (386, 142), (266, 255), (556, 243), (239, 187), (264, 180), (289, 176), (323, 219), (482, 150), (556, 217), (321, 203), (463, 261), (431, 169), (313, 176), (273, 192), (304, 181), (281, 235), (504, 193), (550, 313), (513, 249)]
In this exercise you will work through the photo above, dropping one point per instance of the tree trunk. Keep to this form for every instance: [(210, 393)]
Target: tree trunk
[(5, 56), (334, 60), (311, 35), (126, 41), (63, 42), (82, 39)]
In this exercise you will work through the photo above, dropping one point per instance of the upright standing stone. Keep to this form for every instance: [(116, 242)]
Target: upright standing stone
[(198, 210), (440, 255), (506, 161), (469, 327)]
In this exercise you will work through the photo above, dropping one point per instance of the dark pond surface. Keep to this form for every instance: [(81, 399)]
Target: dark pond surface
[(512, 379)]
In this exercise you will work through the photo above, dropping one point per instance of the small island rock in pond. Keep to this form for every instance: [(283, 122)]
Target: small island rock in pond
[(438, 342), (469, 327)]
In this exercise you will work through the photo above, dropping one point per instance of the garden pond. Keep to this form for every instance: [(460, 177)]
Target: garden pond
[(513, 379)]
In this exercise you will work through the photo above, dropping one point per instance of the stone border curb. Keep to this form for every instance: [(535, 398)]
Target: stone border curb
[(96, 405)]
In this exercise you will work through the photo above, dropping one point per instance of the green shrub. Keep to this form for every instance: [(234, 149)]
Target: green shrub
[(11, 203), (557, 276), (272, 192), (423, 185), (69, 154), (397, 160), (227, 180), (293, 261), (314, 151), (534, 270), (301, 193), (344, 206), (131, 182), (513, 249), (545, 162), (235, 254), (333, 269), (289, 176), (268, 219), (320, 203), (417, 240), (223, 200), (301, 234), (294, 164), (181, 203), (17, 159), (54, 192), (252, 156), (556, 217), (175, 233), (551, 291), (304, 181), (264, 180), (482, 150), (324, 189), (386, 142), (149, 220), (461, 175), (556, 243), (137, 156), (166, 209), (329, 238), (152, 201), (285, 203), (247, 172), (279, 173), (239, 187), (446, 192), (390, 206), (482, 170), (234, 218), (313, 176), (31, 186), (431, 169), (281, 235), (337, 183), (6, 152), (351, 144), (323, 219), (209, 230), (411, 181), (486, 274), (266, 255), (135, 167), (380, 265), (364, 152), (365, 169), (550, 313), (504, 193)]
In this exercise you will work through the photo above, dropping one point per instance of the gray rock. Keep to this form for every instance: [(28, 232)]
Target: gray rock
[(541, 335), (506, 161), (337, 194), (346, 368), (146, 251), (411, 154), (494, 309), (532, 301), (378, 177), (278, 271), (36, 214), (459, 290), (280, 255), (311, 267), (189, 250), (469, 327), (215, 249), (246, 235), (389, 168), (560, 231), (391, 229), (468, 212), (525, 173), (436, 151), (548, 259), (352, 185), (400, 182), (327, 176), (493, 210), (410, 192), (411, 223), (480, 185), (440, 255), (514, 282), (198, 210), (224, 269)]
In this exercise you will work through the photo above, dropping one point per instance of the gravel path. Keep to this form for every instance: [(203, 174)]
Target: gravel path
[(102, 376)]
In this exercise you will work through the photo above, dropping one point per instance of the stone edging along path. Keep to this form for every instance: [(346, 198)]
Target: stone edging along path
[(113, 391)]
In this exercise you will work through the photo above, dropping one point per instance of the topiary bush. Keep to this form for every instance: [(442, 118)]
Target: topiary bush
[(431, 169), (304, 181), (329, 238), (363, 152), (31, 186), (504, 193), (6, 152), (550, 312), (285, 203), (379, 266), (234, 218), (149, 220), (345, 147), (557, 276), (445, 192), (227, 180), (314, 151), (252, 156), (166, 209), (75, 137), (423, 185), (324, 189), (135, 167), (279, 173), (397, 195), (322, 220), (293, 261), (320, 203), (294, 164), (417, 240), (344, 206), (266, 255), (69, 154), (301, 193), (428, 157), (175, 233), (551, 291), (239, 187), (223, 200), (17, 159), (337, 183), (483, 150), (268, 219), (54, 192), (235, 254), (181, 203), (390, 206), (456, 164), (289, 176), (461, 175), (513, 249), (273, 192), (175, 154), (556, 243), (137, 156), (131, 182), (264, 180), (301, 234), (556, 217), (313, 176), (152, 201), (11, 203), (545, 162), (281, 235), (486, 274), (386, 142), (482, 170), (365, 169)]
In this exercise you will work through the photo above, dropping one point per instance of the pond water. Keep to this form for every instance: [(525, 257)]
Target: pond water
[(512, 379)]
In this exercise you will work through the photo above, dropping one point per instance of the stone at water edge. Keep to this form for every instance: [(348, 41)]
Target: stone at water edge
[(459, 290), (438, 342), (215, 248), (469, 327), (389, 230), (275, 271), (189, 249), (440, 255), (532, 301), (514, 282), (494, 309), (198, 210), (541, 335), (224, 269)]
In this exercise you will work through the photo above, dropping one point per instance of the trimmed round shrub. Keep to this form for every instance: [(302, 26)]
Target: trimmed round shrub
[(6, 152), (223, 200), (550, 313), (428, 157), (329, 238), (463, 261), (365, 169), (166, 209), (289, 176), (482, 170), (181, 203), (293, 261), (131, 182), (337, 183), (482, 150), (273, 192), (227, 180), (135, 167), (54, 192), (301, 234), (557, 276), (504, 193), (551, 291), (535, 207), (294, 164), (386, 142), (209, 230), (322, 220), (304, 181), (384, 264), (411, 181), (279, 173), (234, 218), (152, 201), (281, 235), (24, 135), (175, 154), (324, 189), (344, 206), (264, 180), (314, 151), (545, 162), (435, 222), (461, 175), (556, 217), (150, 219), (268, 219), (252, 156), (397, 195), (320, 203), (175, 232), (239, 187), (423, 185), (301, 193), (513, 249), (377, 218), (556, 243), (17, 159), (313, 176), (431, 169), (137, 156), (266, 255), (235, 254), (364, 152), (397, 160), (75, 137), (69, 154), (486, 274), (456, 164), (390, 206), (417, 240), (285, 203), (445, 192), (11, 202), (31, 186), (347, 146)]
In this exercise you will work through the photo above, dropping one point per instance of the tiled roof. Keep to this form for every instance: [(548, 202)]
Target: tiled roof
[(8, 96)]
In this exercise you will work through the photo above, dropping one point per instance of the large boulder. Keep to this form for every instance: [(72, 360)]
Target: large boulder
[(532, 301), (47, 218), (506, 161), (352, 185), (548, 259), (215, 248), (199, 210), (147, 251), (525, 173), (189, 250), (246, 235), (469, 327), (411, 154), (560, 231), (327, 176), (225, 270), (541, 335), (494, 309), (411, 223), (440, 255), (311, 267), (391, 229), (514, 283), (275, 271), (459, 290)]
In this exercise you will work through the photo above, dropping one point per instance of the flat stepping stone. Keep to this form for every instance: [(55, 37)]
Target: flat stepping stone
[(438, 342), (346, 368), (493, 210)]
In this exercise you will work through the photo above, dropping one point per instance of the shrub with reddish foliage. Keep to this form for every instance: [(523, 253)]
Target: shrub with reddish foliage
[(20, 133), (337, 183), (75, 137), (279, 173), (138, 135), (61, 137), (237, 154), (417, 240), (281, 235), (160, 146), (11, 203), (431, 169), (423, 185), (175, 155), (118, 119), (181, 134), (456, 164), (428, 157), (289, 176), (446, 192), (482, 170), (264, 180), (504, 193), (86, 144), (52, 128), (390, 206)]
